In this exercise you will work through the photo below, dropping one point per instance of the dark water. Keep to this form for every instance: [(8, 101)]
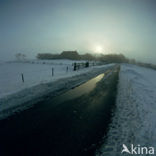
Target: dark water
[(71, 124), (78, 91)]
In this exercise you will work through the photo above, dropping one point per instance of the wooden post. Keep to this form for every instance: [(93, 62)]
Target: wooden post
[(22, 77), (87, 64), (52, 72), (75, 66), (67, 69)]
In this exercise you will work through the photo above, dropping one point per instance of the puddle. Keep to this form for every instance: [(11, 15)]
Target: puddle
[(80, 90)]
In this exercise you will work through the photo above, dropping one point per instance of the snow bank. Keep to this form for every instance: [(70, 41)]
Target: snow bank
[(38, 83), (134, 119)]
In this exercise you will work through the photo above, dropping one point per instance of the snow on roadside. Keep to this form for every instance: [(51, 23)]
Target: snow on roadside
[(30, 94), (134, 118), (35, 72)]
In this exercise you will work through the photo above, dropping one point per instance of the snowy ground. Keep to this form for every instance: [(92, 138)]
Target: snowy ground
[(134, 121), (35, 72), (39, 81)]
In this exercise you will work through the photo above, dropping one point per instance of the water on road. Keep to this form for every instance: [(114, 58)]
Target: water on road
[(71, 124)]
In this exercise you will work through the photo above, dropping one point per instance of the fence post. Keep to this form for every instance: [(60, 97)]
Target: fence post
[(22, 77), (75, 66), (87, 64), (67, 69), (52, 72)]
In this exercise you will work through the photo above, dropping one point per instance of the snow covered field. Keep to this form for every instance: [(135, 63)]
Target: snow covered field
[(39, 82), (134, 121), (35, 72)]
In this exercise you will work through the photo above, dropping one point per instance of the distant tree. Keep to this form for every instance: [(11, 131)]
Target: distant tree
[(148, 65), (23, 56), (73, 55), (132, 61), (116, 58), (47, 56), (20, 57), (87, 56)]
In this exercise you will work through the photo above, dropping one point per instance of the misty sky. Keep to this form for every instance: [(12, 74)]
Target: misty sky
[(107, 26)]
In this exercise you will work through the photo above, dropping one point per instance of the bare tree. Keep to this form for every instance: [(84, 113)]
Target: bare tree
[(20, 57)]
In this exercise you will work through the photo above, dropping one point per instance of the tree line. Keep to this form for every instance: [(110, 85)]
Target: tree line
[(74, 55), (108, 58)]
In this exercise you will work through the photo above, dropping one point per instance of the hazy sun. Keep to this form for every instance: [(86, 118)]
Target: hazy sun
[(99, 49)]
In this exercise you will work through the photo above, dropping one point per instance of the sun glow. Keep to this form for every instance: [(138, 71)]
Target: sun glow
[(98, 49)]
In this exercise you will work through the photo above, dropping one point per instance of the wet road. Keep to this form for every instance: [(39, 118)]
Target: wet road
[(71, 124)]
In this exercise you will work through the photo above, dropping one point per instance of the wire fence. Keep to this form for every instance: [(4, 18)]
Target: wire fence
[(27, 71)]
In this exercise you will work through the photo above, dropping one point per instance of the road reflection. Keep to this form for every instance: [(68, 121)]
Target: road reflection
[(80, 90)]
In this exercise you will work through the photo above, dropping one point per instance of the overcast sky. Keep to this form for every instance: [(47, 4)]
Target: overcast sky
[(95, 26)]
